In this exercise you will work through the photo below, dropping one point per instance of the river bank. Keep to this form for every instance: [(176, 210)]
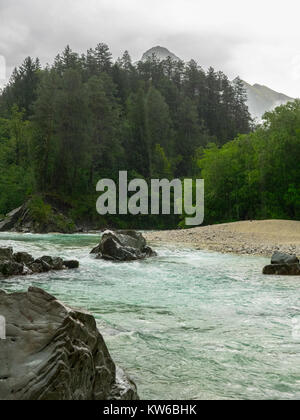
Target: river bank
[(261, 237)]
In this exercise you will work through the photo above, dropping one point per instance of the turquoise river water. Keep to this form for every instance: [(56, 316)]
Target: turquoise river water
[(185, 325)]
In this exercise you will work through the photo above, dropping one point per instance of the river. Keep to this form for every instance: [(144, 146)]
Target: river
[(185, 325)]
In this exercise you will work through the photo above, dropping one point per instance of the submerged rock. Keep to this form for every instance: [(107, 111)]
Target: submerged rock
[(283, 265), (54, 352), (71, 264), (123, 246), (23, 263)]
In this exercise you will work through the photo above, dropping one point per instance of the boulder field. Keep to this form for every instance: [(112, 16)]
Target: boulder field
[(22, 263)]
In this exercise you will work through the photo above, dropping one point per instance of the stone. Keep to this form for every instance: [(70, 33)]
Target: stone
[(71, 264), (47, 259), (281, 258), (43, 264), (11, 268), (123, 246), (282, 269), (36, 268), (57, 263), (23, 258), (6, 253), (23, 263), (54, 352)]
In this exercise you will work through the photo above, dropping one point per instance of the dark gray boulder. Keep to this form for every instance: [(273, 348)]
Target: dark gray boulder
[(6, 253), (58, 263), (283, 265), (281, 258), (123, 246), (10, 268), (71, 264), (282, 269), (22, 263), (23, 258), (36, 267), (43, 264), (54, 352)]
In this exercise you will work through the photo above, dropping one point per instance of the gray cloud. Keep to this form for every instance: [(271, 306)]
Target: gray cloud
[(259, 42)]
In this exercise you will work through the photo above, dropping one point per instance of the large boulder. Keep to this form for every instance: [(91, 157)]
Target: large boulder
[(10, 268), (8, 265), (123, 246), (54, 352), (282, 269), (281, 258), (71, 264), (283, 265)]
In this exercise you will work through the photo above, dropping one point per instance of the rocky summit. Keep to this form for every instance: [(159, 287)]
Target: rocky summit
[(161, 53), (54, 352)]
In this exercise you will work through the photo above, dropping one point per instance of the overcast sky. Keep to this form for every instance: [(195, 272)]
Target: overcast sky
[(258, 39)]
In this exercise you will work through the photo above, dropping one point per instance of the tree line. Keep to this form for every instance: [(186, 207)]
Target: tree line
[(85, 117)]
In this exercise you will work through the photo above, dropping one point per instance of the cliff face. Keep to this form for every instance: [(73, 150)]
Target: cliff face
[(53, 352)]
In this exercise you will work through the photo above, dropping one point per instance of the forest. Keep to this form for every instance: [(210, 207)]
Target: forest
[(85, 117)]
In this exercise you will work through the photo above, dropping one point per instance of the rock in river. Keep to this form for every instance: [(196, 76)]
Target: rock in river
[(22, 263), (282, 269), (280, 258), (283, 265), (54, 352), (123, 246)]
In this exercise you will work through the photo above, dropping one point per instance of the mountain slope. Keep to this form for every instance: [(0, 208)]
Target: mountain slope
[(262, 99)]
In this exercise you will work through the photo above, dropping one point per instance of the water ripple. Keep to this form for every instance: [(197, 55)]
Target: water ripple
[(186, 325)]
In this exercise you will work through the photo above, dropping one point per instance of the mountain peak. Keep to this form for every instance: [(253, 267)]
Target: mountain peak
[(161, 53), (261, 99)]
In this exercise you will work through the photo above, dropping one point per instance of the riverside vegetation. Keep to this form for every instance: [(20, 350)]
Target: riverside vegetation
[(64, 127)]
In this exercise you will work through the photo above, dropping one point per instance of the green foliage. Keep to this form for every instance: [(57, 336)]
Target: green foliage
[(39, 211), (64, 127), (43, 215), (256, 176), (16, 175)]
